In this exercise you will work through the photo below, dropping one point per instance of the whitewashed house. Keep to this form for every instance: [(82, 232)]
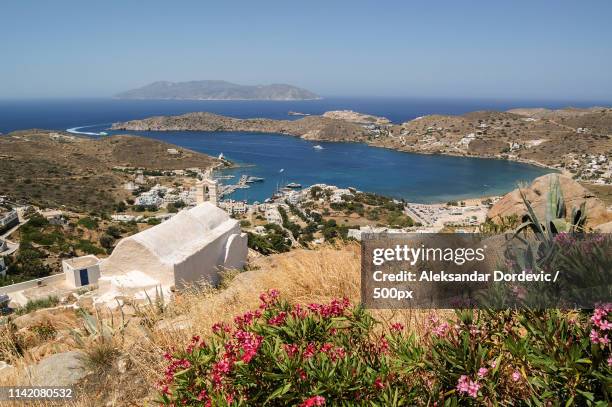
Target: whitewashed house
[(81, 271)]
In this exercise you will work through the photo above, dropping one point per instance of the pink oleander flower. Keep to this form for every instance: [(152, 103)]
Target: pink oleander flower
[(326, 347), (299, 312), (268, 298), (441, 330), (249, 343), (279, 319), (473, 389), (221, 326), (610, 361), (291, 349), (247, 318), (465, 385), (594, 336), (437, 327), (335, 308), (309, 351), (378, 383), (313, 401), (482, 372), (516, 376), (337, 353), (383, 346), (462, 384), (397, 327), (203, 395)]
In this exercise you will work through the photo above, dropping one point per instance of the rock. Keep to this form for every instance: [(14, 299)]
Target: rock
[(122, 365), (61, 369), (180, 323), (5, 370), (604, 228), (574, 195)]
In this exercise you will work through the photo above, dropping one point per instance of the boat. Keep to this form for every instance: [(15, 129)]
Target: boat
[(103, 133), (293, 185), (251, 180), (318, 147)]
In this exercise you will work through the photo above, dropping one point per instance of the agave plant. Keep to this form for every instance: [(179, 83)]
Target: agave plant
[(556, 212), (100, 339), (553, 224)]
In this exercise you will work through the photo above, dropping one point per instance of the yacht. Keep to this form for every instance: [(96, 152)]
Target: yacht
[(293, 185), (251, 180), (318, 147)]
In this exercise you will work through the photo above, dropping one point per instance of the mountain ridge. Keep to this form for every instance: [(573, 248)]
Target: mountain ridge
[(217, 90)]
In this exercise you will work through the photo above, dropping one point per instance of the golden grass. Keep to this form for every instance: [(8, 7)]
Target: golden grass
[(302, 276)]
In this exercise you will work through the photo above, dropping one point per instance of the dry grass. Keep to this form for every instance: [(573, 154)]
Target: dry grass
[(302, 276)]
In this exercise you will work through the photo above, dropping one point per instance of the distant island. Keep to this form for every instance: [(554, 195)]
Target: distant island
[(217, 90)]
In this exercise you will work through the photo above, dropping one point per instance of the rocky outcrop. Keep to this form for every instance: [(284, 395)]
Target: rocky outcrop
[(61, 369), (574, 195)]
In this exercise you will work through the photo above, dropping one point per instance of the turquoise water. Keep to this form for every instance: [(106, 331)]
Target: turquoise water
[(414, 177)]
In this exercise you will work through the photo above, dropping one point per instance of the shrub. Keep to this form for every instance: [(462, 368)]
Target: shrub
[(280, 355), (88, 247), (88, 222), (336, 354), (33, 305)]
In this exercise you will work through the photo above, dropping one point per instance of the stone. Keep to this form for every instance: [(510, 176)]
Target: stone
[(604, 228), (574, 195), (5, 370), (61, 369)]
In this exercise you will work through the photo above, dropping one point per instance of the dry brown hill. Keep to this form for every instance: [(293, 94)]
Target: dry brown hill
[(51, 169)]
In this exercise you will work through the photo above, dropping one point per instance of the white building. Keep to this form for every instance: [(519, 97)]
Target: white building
[(357, 233), (81, 271), (192, 246), (121, 217), (294, 197), (55, 217), (8, 220), (273, 216), (234, 207), (149, 199), (2, 265)]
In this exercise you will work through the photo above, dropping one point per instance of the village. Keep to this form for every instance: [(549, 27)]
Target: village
[(161, 200)]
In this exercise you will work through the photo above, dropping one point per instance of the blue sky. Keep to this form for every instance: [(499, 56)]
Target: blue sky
[(465, 49)]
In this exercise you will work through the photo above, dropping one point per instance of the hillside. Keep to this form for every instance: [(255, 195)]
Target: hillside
[(310, 127), (577, 141), (217, 90), (310, 340), (51, 169)]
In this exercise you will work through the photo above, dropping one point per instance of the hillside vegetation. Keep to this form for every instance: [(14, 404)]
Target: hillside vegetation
[(50, 169)]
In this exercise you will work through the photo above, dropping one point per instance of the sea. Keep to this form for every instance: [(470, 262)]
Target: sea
[(283, 159)]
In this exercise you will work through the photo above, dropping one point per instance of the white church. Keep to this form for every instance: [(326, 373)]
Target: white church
[(192, 246)]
